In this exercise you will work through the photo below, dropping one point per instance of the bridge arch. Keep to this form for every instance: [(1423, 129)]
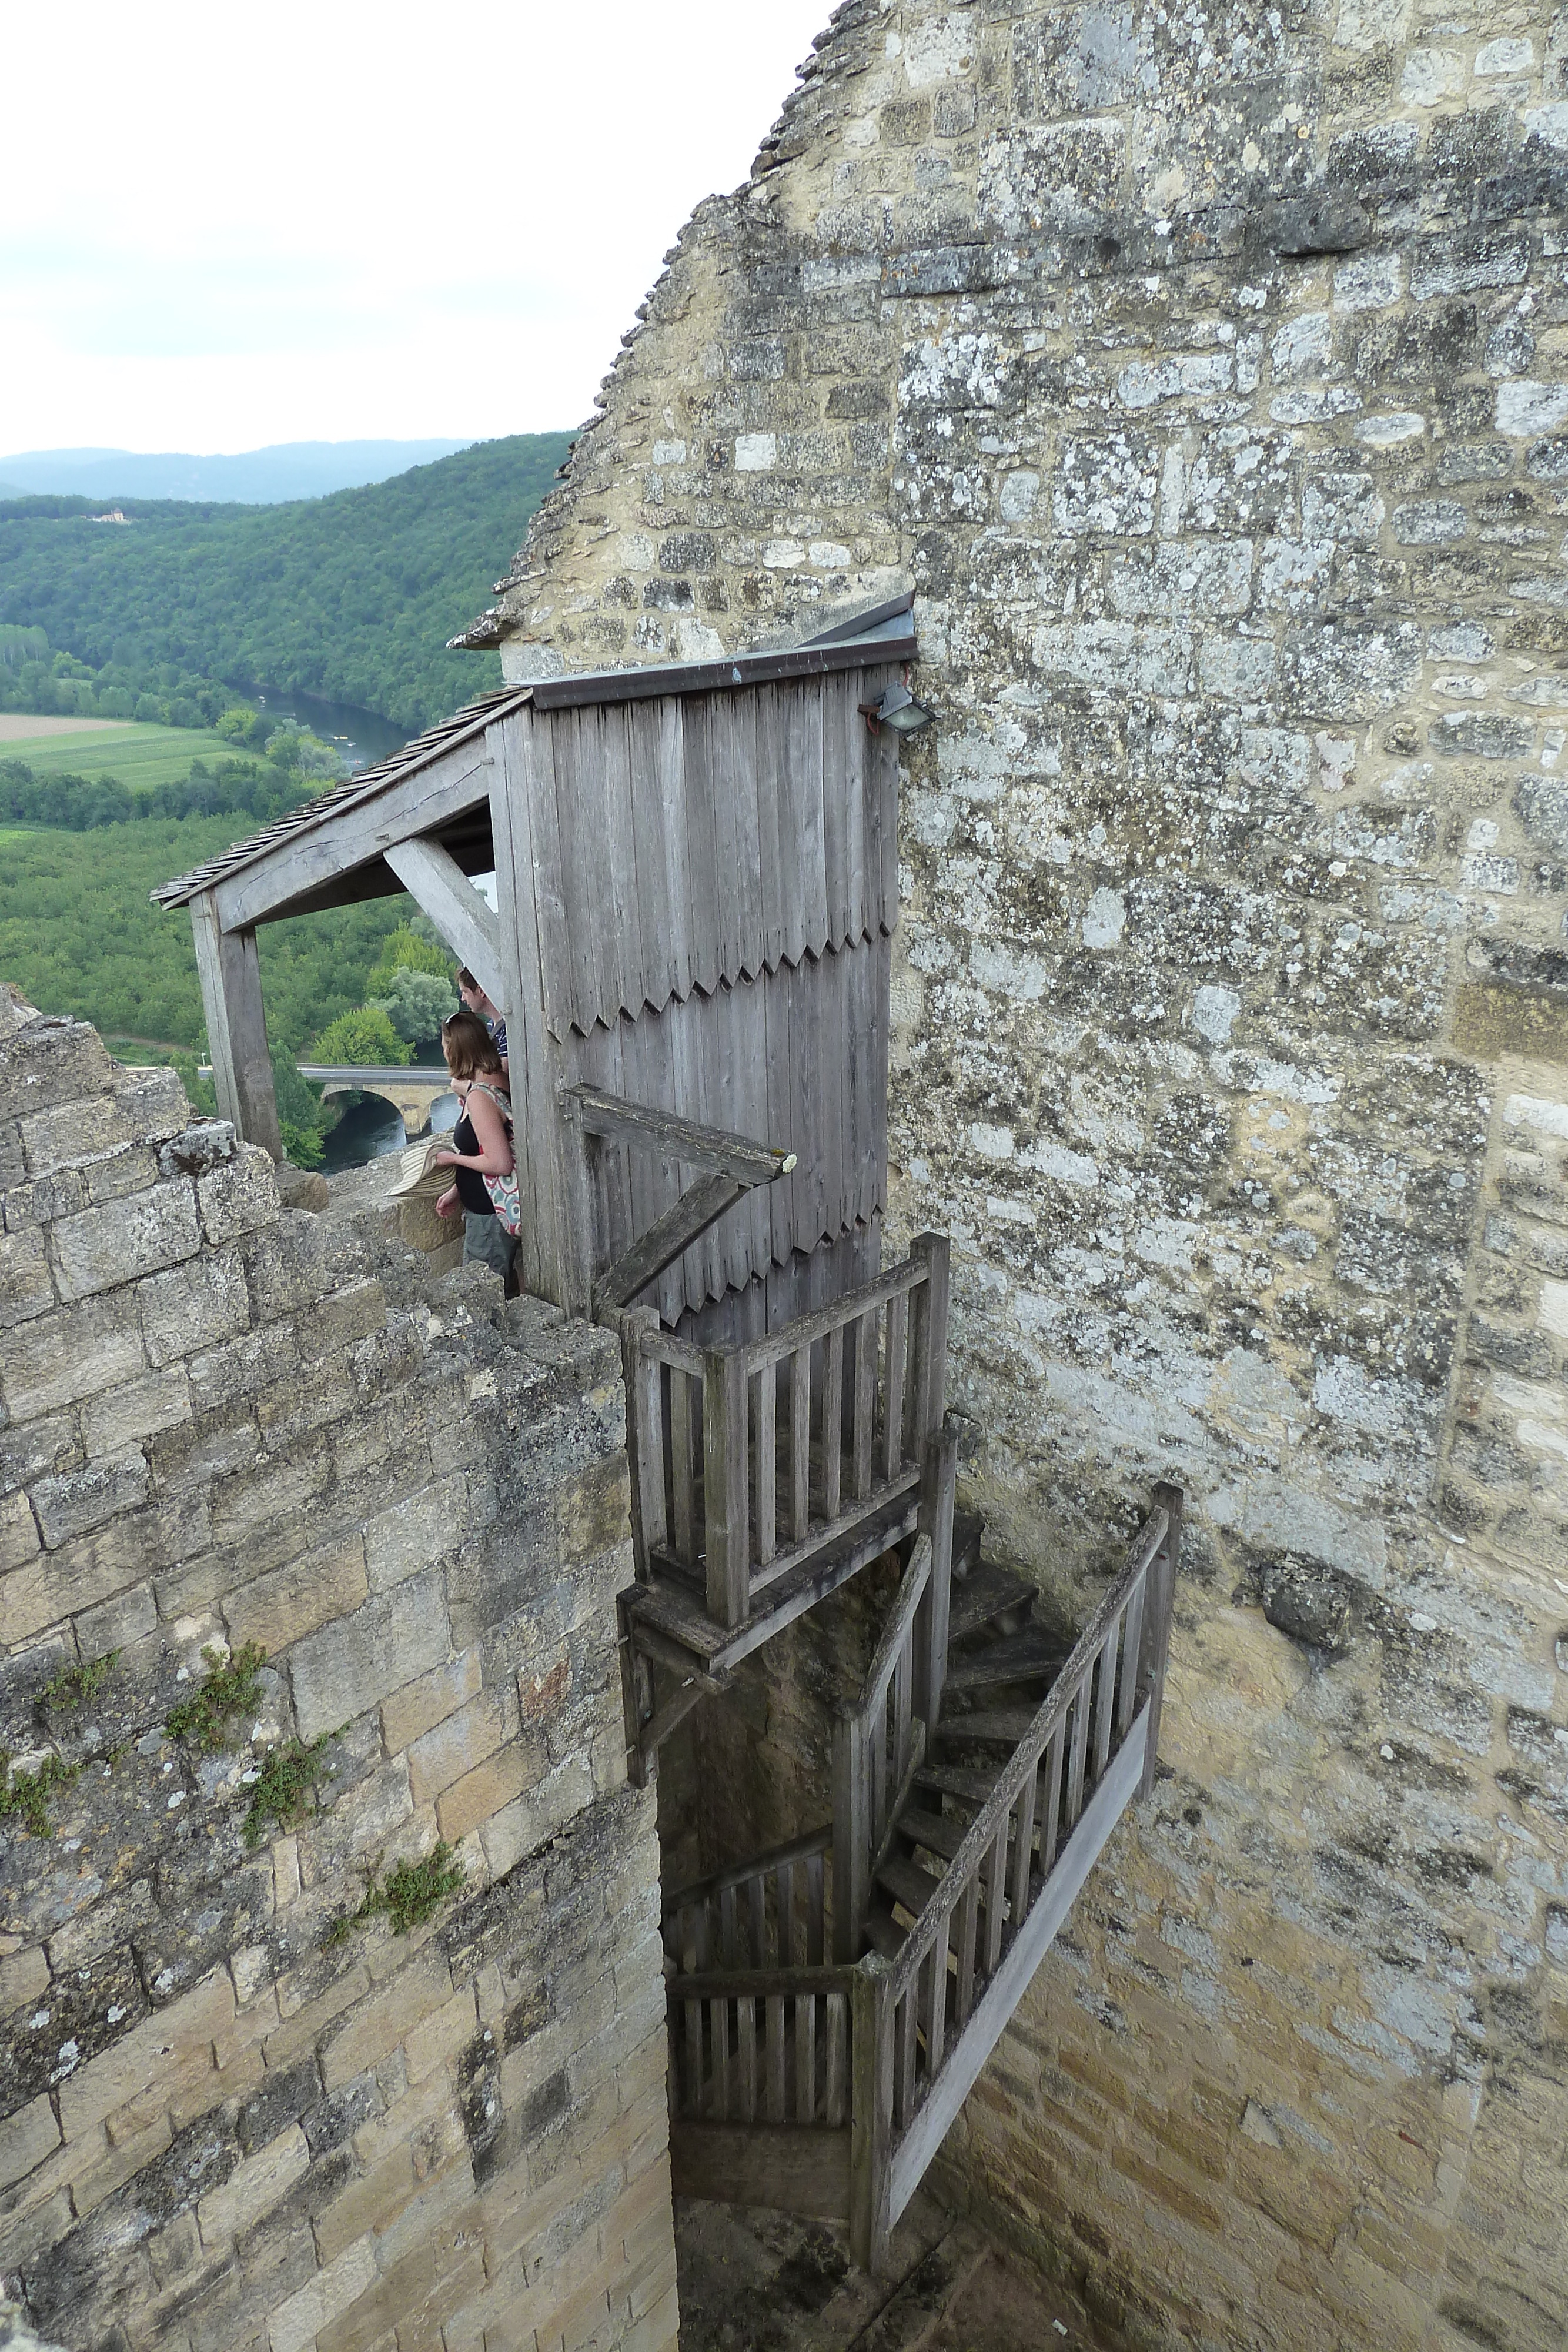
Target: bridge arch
[(411, 1092)]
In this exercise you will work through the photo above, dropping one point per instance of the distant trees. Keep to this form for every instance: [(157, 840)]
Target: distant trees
[(351, 596), (364, 1037)]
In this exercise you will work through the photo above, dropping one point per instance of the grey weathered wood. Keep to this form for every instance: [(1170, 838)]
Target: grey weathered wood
[(968, 1927), (644, 1430), (685, 1413), (929, 1345), (965, 2056), (746, 2046), (439, 886), (665, 1239), (812, 1867), (766, 1441), (821, 1540), (833, 1417), (1105, 1699), (865, 1337), (1131, 1652), (229, 970), (636, 1699), (773, 2103), (894, 1635), (1051, 1818), (1158, 1599), (725, 1497), (800, 1444), (666, 1652), (778, 852), (852, 1838), (870, 2216), (893, 1381), (552, 1255), (938, 1490), (805, 2058), (685, 1139), (741, 1873), (314, 856), (665, 1719), (622, 963), (1023, 1845), (838, 2089), (1078, 1749), (936, 1995)]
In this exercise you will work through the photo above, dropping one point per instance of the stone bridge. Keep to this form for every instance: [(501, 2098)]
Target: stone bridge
[(411, 1090)]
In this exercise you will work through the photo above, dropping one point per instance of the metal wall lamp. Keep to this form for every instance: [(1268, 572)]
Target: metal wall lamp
[(896, 707)]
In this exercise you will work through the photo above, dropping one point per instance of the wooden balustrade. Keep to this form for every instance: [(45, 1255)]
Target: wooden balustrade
[(764, 1913), (1004, 1892), (767, 2045), (750, 1461)]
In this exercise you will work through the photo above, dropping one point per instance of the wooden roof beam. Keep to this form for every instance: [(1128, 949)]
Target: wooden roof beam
[(443, 892), (306, 862)]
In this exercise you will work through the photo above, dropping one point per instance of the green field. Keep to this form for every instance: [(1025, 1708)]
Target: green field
[(136, 754), (78, 935)]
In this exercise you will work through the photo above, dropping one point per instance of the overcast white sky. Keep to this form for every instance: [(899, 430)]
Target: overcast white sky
[(333, 221)]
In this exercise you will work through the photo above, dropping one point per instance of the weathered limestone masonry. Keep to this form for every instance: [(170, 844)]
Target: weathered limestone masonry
[(233, 2115), (1202, 368)]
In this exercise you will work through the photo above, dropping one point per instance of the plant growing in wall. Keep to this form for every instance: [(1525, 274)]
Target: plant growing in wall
[(284, 1789), (407, 1895), (230, 1686)]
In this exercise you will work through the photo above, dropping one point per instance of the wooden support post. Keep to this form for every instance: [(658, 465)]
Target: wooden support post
[(938, 1486), (230, 974), (1158, 1595), (727, 1520), (871, 2059), (852, 1837), (928, 1387), (636, 1700), (552, 1255), (644, 1434), (440, 889)]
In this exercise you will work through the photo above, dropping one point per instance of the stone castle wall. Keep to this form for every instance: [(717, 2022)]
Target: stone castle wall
[(1202, 372), (234, 2117)]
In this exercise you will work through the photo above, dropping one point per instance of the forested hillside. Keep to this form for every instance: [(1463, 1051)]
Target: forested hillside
[(351, 596)]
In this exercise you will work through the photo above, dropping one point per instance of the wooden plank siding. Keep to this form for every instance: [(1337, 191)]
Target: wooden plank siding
[(698, 843), (794, 1058)]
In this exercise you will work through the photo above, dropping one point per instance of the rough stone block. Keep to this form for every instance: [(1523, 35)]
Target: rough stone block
[(353, 1664), (26, 2139), (20, 1540), (194, 1306), (140, 1409), (170, 2049), (94, 1568), (281, 1609), (60, 1194), (342, 1317), (85, 1499), (457, 1747), (48, 1062), (198, 1148), (416, 1990), (281, 1491), (254, 2188), (416, 1533), (77, 1351), (297, 2321), (239, 1196), (124, 1239), (416, 1709), (116, 1624), (251, 1362), (25, 1289), (521, 1827)]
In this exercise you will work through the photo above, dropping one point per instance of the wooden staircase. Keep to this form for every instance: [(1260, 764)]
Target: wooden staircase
[(832, 2001)]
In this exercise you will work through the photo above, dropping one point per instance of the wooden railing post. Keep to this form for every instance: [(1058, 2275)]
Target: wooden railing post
[(727, 1520), (1159, 1592), (851, 1836), (938, 1482), (928, 1347), (644, 1434), (871, 2058)]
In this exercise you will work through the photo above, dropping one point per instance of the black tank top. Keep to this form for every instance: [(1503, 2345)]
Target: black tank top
[(470, 1183)]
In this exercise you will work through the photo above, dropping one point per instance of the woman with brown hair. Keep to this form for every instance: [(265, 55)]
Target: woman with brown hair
[(481, 1142)]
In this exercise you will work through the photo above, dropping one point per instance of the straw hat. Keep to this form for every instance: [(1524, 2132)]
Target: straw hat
[(421, 1178)]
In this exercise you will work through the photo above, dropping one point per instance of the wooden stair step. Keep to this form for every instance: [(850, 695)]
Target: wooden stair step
[(883, 1931), (934, 1831), (1030, 1656), (1005, 1726), (987, 1592), (907, 1883), (963, 1781)]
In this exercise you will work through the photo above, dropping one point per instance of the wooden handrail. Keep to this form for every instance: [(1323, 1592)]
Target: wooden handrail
[(836, 1315), (983, 1832), (756, 1865), (682, 1139), (916, 1577), (757, 1984)]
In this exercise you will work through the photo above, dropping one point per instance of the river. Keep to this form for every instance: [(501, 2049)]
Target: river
[(370, 1129), (362, 737)]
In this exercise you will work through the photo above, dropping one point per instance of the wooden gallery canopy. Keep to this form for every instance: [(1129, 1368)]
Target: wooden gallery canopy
[(696, 884)]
